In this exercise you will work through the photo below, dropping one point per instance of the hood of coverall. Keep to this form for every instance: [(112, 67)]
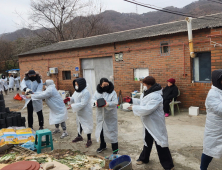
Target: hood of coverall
[(81, 84), (48, 83), (217, 78)]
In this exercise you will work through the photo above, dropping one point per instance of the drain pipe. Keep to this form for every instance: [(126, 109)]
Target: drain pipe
[(190, 36)]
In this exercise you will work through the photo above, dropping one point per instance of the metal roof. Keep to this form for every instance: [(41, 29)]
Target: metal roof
[(209, 21)]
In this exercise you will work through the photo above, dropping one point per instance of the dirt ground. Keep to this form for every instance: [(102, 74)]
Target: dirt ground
[(185, 135)]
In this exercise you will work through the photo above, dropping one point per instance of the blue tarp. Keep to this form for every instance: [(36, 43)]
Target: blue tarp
[(12, 70)]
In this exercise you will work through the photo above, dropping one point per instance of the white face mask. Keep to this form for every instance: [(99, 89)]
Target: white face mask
[(76, 87), (144, 88)]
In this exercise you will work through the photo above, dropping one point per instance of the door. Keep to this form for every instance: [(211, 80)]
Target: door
[(102, 66), (89, 75)]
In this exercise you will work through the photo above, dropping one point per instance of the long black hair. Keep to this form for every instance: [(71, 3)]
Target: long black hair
[(109, 89)]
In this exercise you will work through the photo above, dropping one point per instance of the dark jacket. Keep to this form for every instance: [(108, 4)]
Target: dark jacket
[(170, 92)]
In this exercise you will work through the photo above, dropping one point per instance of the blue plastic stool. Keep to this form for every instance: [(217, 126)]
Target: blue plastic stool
[(122, 163), (38, 140)]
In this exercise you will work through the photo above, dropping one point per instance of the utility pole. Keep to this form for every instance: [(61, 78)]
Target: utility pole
[(136, 8)]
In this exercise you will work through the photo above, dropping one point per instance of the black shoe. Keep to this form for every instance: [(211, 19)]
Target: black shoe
[(99, 150), (116, 152), (41, 128)]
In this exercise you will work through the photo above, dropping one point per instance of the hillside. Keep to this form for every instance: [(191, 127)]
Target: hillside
[(124, 21)]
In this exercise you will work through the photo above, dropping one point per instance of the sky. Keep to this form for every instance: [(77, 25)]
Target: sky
[(14, 13)]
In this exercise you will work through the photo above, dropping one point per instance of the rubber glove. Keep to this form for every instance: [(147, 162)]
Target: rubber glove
[(130, 108), (27, 90), (28, 96), (107, 104)]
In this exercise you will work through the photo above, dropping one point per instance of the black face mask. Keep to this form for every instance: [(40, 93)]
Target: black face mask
[(32, 78), (106, 88)]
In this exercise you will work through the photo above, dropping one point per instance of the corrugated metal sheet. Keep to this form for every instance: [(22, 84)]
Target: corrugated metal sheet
[(150, 31)]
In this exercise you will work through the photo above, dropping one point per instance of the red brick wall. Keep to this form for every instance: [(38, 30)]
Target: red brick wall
[(161, 67)]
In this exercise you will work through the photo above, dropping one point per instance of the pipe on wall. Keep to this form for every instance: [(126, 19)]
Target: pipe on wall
[(190, 36)]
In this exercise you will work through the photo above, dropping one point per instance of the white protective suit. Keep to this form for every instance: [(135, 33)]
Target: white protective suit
[(17, 82), (58, 111), (81, 104), (107, 117), (212, 145), (3, 83), (35, 87), (150, 110), (11, 82)]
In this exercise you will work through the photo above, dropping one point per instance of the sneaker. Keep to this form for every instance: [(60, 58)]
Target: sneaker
[(64, 134), (99, 150), (56, 131), (167, 114), (41, 128), (77, 139), (89, 143)]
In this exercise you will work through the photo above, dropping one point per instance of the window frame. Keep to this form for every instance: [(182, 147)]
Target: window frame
[(164, 54), (63, 74), (194, 70), (134, 69)]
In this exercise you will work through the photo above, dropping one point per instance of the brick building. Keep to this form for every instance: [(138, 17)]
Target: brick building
[(160, 50)]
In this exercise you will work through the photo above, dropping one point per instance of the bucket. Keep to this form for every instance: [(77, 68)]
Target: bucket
[(14, 121), (2, 108), (2, 103), (23, 121), (122, 163), (1, 97), (3, 115), (7, 110), (19, 120)]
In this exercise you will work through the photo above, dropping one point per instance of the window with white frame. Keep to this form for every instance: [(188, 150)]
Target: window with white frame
[(140, 73), (202, 67)]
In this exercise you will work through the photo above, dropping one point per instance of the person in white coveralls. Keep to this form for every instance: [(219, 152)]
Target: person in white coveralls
[(150, 109)]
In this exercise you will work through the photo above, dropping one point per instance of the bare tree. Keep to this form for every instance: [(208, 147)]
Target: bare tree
[(65, 19), (7, 55)]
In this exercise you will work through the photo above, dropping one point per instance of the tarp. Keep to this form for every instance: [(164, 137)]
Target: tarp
[(13, 70)]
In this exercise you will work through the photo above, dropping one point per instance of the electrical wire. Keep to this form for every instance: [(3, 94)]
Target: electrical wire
[(162, 10), (170, 11)]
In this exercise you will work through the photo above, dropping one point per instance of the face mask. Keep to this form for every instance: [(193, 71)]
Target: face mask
[(76, 87), (105, 88), (144, 88), (32, 78)]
